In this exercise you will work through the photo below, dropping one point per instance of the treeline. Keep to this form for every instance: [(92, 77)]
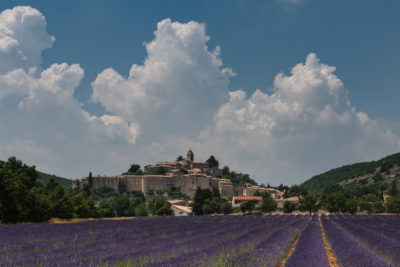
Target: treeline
[(334, 199), (237, 178), (369, 199), (350, 200), (24, 199)]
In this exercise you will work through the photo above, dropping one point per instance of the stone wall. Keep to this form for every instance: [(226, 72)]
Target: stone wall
[(187, 183)]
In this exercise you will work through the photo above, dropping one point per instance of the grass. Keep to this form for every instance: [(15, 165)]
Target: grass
[(331, 256)]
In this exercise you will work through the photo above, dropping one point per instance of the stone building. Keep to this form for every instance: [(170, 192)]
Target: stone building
[(184, 175), (281, 202), (237, 200), (251, 190)]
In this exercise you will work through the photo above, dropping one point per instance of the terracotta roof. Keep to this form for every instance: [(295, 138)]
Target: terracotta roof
[(246, 198)]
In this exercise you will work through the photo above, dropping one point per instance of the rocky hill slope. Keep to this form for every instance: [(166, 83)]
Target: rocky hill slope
[(380, 173)]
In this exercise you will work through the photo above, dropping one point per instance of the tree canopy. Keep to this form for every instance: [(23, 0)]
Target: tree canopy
[(212, 162), (134, 169), (268, 204), (160, 206), (23, 199)]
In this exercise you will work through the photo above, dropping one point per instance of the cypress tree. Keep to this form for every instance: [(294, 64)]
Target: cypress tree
[(90, 179)]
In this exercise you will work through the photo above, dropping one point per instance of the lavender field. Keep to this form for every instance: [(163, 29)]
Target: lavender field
[(205, 241)]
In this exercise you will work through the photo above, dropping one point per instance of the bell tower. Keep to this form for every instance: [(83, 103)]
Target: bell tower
[(190, 155)]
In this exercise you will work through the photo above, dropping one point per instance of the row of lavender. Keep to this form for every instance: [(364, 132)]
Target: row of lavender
[(310, 249), (221, 240), (364, 240)]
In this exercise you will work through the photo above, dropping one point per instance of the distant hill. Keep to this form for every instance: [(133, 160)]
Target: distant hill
[(44, 178), (380, 172)]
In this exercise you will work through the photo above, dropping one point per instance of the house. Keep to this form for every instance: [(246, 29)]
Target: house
[(181, 210), (237, 200), (251, 190), (294, 200), (180, 202)]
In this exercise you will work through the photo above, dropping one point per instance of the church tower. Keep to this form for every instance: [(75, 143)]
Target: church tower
[(190, 155)]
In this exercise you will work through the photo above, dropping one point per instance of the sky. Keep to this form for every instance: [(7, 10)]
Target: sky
[(280, 89)]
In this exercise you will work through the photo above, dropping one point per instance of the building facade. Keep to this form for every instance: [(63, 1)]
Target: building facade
[(184, 175)]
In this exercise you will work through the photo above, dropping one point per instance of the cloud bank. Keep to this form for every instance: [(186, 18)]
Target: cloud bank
[(307, 125), (40, 120), (178, 98)]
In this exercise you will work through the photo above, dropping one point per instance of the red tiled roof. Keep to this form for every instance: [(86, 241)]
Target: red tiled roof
[(247, 198)]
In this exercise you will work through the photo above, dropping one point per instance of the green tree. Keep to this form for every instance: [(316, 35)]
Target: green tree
[(61, 202), (393, 190), (335, 202), (107, 206), (179, 158), (226, 207), (160, 170), (16, 181), (282, 187), (371, 204), (225, 171), (351, 206), (85, 207), (138, 194), (87, 190), (289, 207), (121, 206), (296, 190), (141, 210), (90, 179), (393, 204), (159, 206), (268, 204), (212, 162), (78, 186), (134, 169), (200, 197), (51, 185), (262, 194), (38, 205), (248, 205), (207, 209), (308, 203), (121, 187), (212, 205)]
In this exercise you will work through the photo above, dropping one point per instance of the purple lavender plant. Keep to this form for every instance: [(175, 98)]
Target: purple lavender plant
[(310, 249), (348, 251)]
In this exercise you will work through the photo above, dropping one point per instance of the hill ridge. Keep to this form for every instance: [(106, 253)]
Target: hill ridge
[(45, 177), (382, 169)]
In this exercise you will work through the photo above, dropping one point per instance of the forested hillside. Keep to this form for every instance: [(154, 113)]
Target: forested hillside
[(43, 178), (380, 172)]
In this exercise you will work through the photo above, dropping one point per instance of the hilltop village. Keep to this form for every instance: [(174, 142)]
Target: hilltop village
[(184, 175)]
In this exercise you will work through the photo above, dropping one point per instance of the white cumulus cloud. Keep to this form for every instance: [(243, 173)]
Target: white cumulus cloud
[(176, 99), (40, 120), (305, 126), (23, 37), (178, 88)]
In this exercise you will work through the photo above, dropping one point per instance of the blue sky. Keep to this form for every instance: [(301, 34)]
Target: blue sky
[(257, 40)]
